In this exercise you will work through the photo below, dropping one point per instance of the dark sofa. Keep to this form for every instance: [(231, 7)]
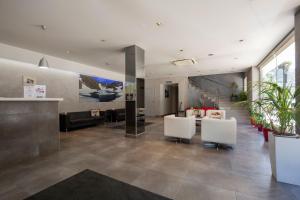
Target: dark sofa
[(76, 120)]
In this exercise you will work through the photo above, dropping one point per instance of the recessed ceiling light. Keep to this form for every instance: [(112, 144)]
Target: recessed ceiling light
[(43, 27), (107, 64), (158, 23), (236, 58), (68, 52), (211, 54), (181, 50), (103, 40), (241, 40)]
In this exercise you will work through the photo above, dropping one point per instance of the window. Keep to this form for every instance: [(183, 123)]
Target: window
[(281, 68)]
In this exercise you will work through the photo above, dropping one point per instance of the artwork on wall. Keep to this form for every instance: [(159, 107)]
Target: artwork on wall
[(40, 91), (34, 91), (28, 80), (98, 89)]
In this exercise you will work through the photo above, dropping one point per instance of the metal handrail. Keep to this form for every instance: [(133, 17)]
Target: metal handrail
[(216, 97)]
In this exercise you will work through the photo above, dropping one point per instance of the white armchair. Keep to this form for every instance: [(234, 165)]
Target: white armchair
[(179, 127), (220, 131)]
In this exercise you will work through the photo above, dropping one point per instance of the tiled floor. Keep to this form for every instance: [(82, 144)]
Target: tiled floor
[(179, 171)]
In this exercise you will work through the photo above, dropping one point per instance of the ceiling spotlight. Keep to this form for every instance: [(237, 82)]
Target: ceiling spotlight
[(181, 50), (43, 27), (68, 52), (211, 54), (158, 23), (241, 40), (103, 40), (107, 64), (236, 58)]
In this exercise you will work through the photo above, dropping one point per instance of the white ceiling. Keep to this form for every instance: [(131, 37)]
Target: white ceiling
[(199, 27)]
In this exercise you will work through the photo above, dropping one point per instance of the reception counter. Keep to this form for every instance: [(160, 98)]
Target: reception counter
[(28, 128)]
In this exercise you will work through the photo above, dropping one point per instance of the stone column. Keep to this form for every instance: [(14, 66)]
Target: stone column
[(134, 90)]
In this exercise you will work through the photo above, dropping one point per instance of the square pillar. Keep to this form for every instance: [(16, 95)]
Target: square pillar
[(134, 90)]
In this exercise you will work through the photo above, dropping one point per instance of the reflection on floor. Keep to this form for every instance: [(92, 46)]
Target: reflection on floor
[(179, 171)]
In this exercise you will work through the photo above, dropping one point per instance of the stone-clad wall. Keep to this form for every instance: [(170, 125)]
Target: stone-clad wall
[(27, 129)]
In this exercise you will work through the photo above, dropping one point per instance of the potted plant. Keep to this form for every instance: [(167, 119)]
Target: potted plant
[(282, 111), (234, 86), (258, 116), (243, 96), (252, 120), (266, 129)]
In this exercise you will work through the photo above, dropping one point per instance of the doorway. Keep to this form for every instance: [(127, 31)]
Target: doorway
[(171, 98)]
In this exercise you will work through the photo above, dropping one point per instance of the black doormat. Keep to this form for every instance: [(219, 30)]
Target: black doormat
[(89, 185), (122, 126)]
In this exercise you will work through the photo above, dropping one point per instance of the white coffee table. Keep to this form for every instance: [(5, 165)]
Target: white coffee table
[(198, 120)]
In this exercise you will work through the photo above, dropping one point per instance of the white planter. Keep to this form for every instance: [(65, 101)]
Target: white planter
[(285, 158)]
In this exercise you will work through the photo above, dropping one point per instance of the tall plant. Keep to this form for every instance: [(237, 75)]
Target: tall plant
[(279, 106)]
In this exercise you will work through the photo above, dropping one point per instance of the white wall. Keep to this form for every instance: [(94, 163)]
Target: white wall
[(61, 78), (31, 57), (155, 94)]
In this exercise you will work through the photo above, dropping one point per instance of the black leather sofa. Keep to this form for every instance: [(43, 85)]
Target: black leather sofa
[(75, 120), (116, 115)]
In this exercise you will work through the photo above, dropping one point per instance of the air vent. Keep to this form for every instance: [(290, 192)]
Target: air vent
[(184, 62)]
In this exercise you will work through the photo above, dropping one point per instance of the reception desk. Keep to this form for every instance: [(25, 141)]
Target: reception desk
[(28, 128)]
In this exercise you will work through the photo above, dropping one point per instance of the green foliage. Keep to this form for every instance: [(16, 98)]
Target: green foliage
[(243, 96), (257, 114), (279, 106)]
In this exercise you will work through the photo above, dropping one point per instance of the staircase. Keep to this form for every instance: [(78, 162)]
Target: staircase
[(214, 100), (207, 99), (234, 110)]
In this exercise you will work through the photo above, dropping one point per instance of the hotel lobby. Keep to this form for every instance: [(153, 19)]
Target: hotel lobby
[(110, 99)]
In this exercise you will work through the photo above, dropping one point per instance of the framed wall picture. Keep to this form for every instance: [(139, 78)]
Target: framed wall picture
[(29, 81), (95, 113), (99, 89), (40, 91)]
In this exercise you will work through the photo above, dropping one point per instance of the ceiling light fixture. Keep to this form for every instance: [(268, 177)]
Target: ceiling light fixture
[(181, 50), (43, 27), (103, 40), (184, 62), (241, 40), (236, 58), (68, 52), (211, 54), (43, 63), (107, 64)]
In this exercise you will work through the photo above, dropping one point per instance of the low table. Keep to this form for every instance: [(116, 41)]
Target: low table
[(198, 120)]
